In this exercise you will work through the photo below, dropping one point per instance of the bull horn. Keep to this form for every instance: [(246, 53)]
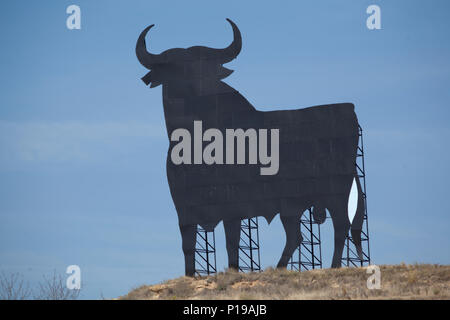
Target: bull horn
[(229, 53), (146, 58)]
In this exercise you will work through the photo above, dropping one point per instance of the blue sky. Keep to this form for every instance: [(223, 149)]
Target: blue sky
[(83, 145)]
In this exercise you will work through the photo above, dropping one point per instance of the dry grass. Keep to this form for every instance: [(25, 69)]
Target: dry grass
[(419, 281)]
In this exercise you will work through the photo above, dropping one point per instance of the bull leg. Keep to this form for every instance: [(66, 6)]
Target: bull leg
[(341, 227), (188, 237), (293, 238), (232, 236)]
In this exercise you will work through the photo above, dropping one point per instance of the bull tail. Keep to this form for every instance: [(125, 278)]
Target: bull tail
[(356, 224)]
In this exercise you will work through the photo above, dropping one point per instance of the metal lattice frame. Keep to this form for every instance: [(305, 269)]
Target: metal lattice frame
[(205, 252), (350, 257), (309, 251), (249, 258)]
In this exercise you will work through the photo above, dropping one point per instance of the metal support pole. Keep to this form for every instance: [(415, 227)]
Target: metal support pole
[(205, 252), (249, 258), (351, 258), (309, 251)]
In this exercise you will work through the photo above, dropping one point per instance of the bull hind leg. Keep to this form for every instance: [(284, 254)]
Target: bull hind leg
[(341, 226), (232, 237), (293, 238), (188, 237)]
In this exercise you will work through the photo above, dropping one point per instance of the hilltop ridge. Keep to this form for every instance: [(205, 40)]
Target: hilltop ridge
[(418, 281)]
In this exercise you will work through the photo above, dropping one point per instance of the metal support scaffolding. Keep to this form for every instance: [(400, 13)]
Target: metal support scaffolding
[(205, 252), (350, 258), (309, 251), (249, 259)]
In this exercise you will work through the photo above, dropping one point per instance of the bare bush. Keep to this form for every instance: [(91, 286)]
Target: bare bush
[(54, 288), (13, 287)]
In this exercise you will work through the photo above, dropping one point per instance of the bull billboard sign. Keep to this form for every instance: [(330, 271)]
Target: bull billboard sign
[(228, 161)]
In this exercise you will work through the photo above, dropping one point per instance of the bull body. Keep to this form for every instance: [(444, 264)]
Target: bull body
[(317, 148)]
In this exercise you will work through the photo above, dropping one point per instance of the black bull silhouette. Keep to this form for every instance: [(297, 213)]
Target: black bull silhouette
[(317, 155)]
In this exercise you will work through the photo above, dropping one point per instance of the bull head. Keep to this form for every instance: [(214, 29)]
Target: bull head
[(194, 63)]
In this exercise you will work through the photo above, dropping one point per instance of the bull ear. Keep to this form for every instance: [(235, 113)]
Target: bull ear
[(224, 72), (150, 79), (155, 84), (147, 78)]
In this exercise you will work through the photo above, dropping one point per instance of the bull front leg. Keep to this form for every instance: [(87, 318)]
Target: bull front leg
[(188, 237), (232, 237)]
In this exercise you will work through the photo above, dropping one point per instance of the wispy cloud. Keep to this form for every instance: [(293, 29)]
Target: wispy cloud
[(409, 133), (67, 141)]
